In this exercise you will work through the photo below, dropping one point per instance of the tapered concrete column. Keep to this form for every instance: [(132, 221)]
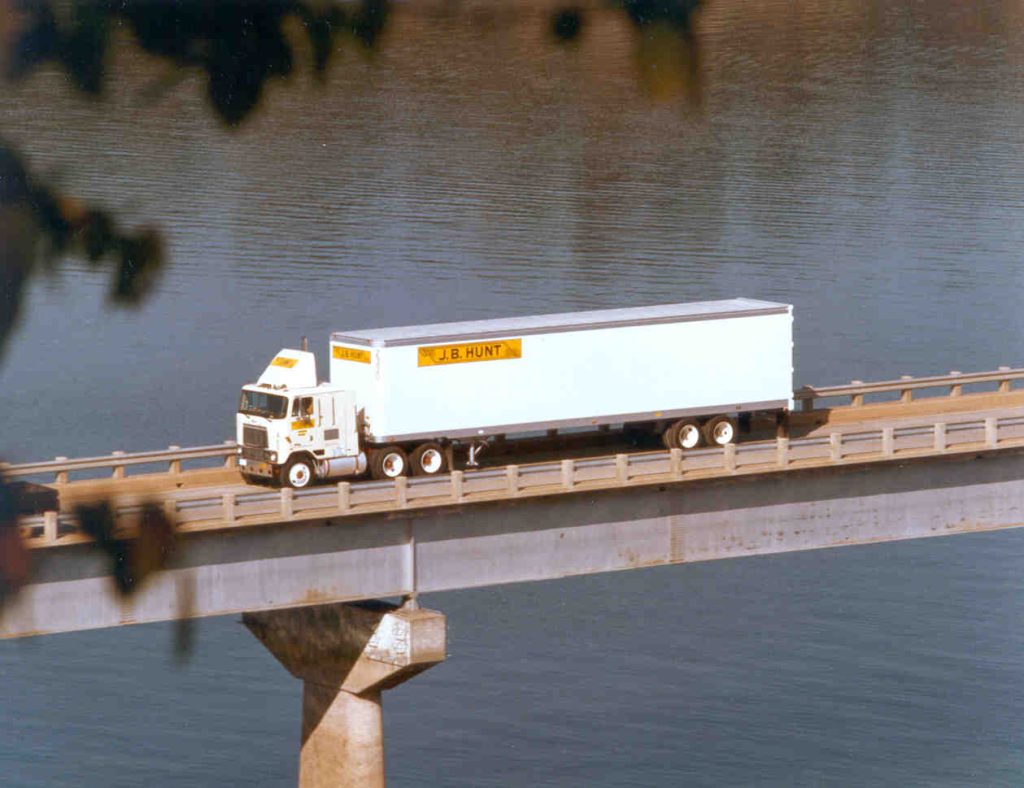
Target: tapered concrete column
[(342, 738), (346, 655)]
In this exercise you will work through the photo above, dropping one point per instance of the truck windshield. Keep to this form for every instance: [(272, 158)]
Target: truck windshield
[(259, 403)]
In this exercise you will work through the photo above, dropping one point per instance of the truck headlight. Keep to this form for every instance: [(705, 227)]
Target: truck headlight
[(273, 456)]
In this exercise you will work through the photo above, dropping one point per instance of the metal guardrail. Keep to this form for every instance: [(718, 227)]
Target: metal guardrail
[(239, 506), (906, 385), (174, 456)]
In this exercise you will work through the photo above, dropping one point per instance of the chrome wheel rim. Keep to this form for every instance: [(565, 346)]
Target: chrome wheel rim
[(430, 461), (393, 465), (298, 475), (723, 433), (689, 436)]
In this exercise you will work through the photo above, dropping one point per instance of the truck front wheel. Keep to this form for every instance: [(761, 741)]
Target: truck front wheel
[(388, 463), (298, 473)]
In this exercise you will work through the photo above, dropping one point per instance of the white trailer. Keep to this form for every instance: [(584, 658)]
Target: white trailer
[(409, 396)]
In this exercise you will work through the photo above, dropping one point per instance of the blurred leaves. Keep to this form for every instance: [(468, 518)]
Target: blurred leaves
[(675, 13), (239, 44), (14, 558), (134, 558), (37, 226)]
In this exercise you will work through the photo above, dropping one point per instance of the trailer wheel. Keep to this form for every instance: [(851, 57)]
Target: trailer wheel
[(298, 473), (428, 459), (684, 434), (388, 463), (720, 431)]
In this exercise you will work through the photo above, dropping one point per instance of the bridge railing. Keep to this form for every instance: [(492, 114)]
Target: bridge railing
[(171, 458), (954, 382), (224, 507)]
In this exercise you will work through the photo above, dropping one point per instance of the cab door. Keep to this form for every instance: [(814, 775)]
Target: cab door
[(305, 432)]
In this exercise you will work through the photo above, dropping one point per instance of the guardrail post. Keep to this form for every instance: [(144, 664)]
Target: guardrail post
[(174, 466), (675, 462), (940, 436), (729, 457), (906, 395), (62, 476), (287, 494), (228, 505), (118, 469), (568, 473), (991, 432), (622, 468), (402, 491), (512, 477), (171, 509), (807, 404), (887, 441), (856, 400), (835, 446), (782, 452), (956, 389), (344, 496), (230, 460), (50, 526), (457, 493), (1004, 385)]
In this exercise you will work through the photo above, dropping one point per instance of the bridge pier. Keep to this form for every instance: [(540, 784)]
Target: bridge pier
[(346, 655)]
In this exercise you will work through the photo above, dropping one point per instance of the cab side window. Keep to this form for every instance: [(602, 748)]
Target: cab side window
[(303, 408)]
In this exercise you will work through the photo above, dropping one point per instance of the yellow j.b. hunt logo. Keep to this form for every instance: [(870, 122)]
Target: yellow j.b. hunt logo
[(283, 361), (495, 350), (351, 354)]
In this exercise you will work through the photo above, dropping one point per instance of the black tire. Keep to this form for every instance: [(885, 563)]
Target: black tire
[(685, 434), (428, 459), (720, 431), (298, 473), (388, 462)]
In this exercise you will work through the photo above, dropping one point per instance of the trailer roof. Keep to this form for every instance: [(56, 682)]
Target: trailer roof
[(565, 321)]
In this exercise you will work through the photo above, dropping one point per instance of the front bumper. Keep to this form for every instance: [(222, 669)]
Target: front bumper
[(257, 468)]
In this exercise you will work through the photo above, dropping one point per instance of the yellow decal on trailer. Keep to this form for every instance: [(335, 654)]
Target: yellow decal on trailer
[(470, 351), (281, 361), (351, 354)]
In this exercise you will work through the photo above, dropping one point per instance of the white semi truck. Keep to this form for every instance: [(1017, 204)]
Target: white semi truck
[(420, 399)]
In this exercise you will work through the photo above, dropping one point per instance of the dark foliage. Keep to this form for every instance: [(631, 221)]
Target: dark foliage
[(132, 559), (567, 23), (238, 44), (14, 558), (677, 13), (37, 225)]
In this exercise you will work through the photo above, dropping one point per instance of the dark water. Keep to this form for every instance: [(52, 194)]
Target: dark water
[(863, 161)]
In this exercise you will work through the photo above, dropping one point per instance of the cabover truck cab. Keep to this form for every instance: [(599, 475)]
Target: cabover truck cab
[(406, 399), (291, 430)]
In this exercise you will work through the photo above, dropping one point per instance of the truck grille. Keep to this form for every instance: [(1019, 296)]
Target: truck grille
[(254, 436), (259, 455)]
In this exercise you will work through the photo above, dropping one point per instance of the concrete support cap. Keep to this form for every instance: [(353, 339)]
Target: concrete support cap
[(355, 647)]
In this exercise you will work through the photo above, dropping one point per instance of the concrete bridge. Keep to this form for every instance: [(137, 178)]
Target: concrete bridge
[(306, 568)]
